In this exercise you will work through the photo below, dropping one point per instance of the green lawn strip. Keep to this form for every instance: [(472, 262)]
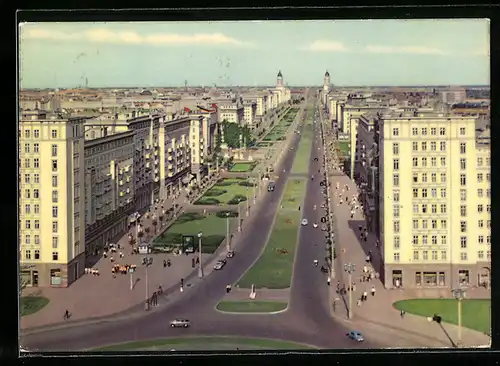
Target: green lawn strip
[(241, 167), (224, 191), (32, 304), (195, 342), (212, 227), (251, 306), (476, 313), (274, 267), (343, 147), (303, 155)]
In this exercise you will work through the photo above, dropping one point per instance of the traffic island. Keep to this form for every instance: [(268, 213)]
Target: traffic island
[(206, 344), (251, 306), (476, 313)]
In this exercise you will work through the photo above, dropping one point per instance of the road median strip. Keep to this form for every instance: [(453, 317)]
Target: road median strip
[(251, 306)]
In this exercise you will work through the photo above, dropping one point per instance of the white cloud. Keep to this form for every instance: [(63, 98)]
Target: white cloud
[(325, 46), (129, 37), (408, 50)]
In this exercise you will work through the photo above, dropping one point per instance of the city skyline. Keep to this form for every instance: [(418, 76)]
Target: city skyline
[(376, 52)]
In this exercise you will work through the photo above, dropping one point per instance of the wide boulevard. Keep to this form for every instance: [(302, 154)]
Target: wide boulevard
[(307, 320)]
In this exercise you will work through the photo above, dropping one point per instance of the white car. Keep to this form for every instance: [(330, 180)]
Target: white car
[(220, 264), (315, 225), (304, 222)]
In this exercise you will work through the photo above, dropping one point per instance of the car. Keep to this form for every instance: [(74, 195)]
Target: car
[(315, 225), (230, 254), (324, 228), (304, 222), (355, 335), (179, 323), (220, 264)]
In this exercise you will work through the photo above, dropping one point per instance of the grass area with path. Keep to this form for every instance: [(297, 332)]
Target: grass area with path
[(476, 313), (226, 191), (303, 156), (274, 267), (205, 344), (279, 130), (343, 147), (251, 306), (212, 227), (242, 167), (32, 304)]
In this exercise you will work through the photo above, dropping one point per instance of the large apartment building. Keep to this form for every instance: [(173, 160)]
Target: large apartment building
[(434, 192), (51, 199)]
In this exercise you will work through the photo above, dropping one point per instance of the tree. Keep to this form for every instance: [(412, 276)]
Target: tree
[(232, 134), (22, 282)]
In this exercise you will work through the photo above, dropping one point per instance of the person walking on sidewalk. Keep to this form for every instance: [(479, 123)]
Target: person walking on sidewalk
[(365, 296), (328, 280), (66, 315), (373, 290), (402, 314)]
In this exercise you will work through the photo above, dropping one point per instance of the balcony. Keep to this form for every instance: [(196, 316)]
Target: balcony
[(148, 165), (127, 179), (169, 150), (156, 171), (170, 167), (127, 169), (170, 158), (170, 174), (122, 193), (156, 153), (155, 144), (148, 155), (157, 161), (121, 182), (128, 190), (157, 179)]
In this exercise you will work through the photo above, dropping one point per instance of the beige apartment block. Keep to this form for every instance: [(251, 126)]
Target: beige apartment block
[(231, 112), (51, 199), (249, 113), (434, 201), (109, 187)]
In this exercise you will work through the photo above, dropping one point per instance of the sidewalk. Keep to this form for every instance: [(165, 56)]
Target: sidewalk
[(376, 316)]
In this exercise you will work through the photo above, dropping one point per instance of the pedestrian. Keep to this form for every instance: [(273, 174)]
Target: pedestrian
[(397, 283), (373, 290), (328, 280), (66, 314), (402, 314), (365, 296), (334, 304), (359, 302), (354, 286), (365, 269)]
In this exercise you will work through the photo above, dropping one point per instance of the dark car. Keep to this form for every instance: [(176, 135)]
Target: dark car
[(355, 335), (230, 254)]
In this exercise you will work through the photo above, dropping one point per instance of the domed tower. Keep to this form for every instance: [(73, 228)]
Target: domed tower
[(279, 82), (326, 82)]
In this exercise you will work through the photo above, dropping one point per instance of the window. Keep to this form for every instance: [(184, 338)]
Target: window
[(480, 177), (433, 146), (27, 148), (424, 146), (415, 239), (443, 177), (37, 208), (415, 208), (415, 177), (433, 161), (434, 224), (415, 162), (54, 211), (27, 254), (463, 256), (433, 210), (36, 163), (488, 255), (424, 131), (443, 208), (396, 242), (442, 146), (463, 210), (463, 147), (433, 131), (424, 192), (54, 150), (424, 208), (55, 242), (434, 192), (443, 255), (395, 179), (396, 211), (463, 242), (480, 192), (415, 255), (443, 161), (462, 131), (396, 257), (396, 196), (424, 224), (443, 240), (36, 178), (54, 197), (463, 192), (480, 208), (395, 131), (36, 148), (462, 164), (424, 177), (434, 239), (37, 224), (55, 256), (424, 239), (27, 209), (27, 224), (395, 148), (54, 134), (434, 255), (54, 181), (36, 193), (480, 224), (488, 224), (27, 194), (479, 161), (424, 162), (26, 163), (415, 224), (488, 208), (415, 193), (36, 133), (488, 239), (414, 131), (463, 181), (488, 193), (27, 239), (396, 226), (54, 165), (488, 177), (395, 164), (480, 254), (54, 227), (442, 131), (425, 255), (27, 178), (415, 146), (480, 239)]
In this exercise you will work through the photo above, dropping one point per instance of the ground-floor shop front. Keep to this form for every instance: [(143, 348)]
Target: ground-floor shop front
[(436, 275)]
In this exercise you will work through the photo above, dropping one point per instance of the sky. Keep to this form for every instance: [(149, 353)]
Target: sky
[(162, 54)]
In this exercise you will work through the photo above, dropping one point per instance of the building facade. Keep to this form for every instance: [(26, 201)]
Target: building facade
[(434, 201), (51, 199)]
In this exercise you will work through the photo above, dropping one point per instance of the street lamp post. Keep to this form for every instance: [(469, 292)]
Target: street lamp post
[(239, 217), (147, 262), (459, 294), (350, 268), (200, 265), (228, 239), (248, 201), (254, 192)]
